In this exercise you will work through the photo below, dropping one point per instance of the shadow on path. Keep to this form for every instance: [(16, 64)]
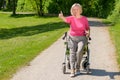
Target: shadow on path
[(32, 30), (96, 24), (99, 72), (29, 30)]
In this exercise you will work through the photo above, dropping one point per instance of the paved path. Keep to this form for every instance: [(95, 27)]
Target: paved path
[(48, 65)]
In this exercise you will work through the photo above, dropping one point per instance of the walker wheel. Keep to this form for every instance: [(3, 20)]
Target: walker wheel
[(88, 69), (86, 66), (64, 68), (68, 65)]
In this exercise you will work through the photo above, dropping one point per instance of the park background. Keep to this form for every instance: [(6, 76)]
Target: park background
[(27, 27)]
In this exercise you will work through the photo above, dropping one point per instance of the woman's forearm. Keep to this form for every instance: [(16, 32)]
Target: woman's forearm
[(63, 18)]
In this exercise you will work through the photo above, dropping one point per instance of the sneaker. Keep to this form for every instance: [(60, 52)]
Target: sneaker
[(77, 72), (72, 73)]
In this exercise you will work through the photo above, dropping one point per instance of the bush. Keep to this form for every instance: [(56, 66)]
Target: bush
[(115, 16), (53, 8)]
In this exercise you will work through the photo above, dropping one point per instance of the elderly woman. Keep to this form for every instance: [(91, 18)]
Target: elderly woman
[(79, 29)]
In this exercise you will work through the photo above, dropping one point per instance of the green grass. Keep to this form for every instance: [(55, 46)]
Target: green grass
[(115, 32), (23, 37), (115, 35)]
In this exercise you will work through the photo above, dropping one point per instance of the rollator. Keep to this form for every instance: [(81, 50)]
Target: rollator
[(85, 62)]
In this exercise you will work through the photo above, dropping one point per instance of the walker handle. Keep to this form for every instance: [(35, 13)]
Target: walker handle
[(65, 35), (89, 38)]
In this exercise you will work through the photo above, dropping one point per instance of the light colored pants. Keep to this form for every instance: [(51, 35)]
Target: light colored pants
[(76, 45)]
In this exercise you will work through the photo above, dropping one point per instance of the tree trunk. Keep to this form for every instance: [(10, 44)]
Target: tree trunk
[(14, 7), (41, 7), (1, 4)]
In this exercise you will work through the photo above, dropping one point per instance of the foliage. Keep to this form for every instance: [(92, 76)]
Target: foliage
[(10, 4), (105, 7), (94, 8), (98, 8), (1, 4), (115, 16), (24, 6), (39, 6), (56, 6)]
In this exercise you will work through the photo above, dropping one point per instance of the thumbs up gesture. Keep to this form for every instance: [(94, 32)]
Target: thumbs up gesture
[(60, 14)]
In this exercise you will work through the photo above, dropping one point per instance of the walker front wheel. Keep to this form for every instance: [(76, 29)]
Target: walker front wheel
[(68, 65), (88, 69), (86, 66)]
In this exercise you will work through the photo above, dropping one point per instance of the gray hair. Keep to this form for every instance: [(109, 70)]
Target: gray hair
[(76, 4)]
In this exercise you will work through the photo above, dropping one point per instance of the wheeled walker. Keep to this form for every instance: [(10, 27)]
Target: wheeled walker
[(85, 61)]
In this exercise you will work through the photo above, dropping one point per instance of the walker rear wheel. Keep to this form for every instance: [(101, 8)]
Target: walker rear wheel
[(86, 66), (64, 68), (88, 69), (68, 65)]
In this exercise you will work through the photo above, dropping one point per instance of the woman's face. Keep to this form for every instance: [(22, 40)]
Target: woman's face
[(76, 10)]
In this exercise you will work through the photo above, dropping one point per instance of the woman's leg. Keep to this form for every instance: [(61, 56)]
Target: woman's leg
[(72, 59), (73, 50), (81, 45)]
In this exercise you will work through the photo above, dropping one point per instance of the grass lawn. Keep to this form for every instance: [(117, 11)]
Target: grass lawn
[(23, 37), (115, 32), (115, 35)]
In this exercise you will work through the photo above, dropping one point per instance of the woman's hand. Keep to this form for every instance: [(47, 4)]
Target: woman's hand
[(61, 14), (88, 33)]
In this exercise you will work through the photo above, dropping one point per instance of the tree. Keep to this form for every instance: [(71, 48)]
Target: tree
[(2, 4), (14, 2), (95, 8), (14, 9), (38, 5), (115, 14), (56, 6)]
